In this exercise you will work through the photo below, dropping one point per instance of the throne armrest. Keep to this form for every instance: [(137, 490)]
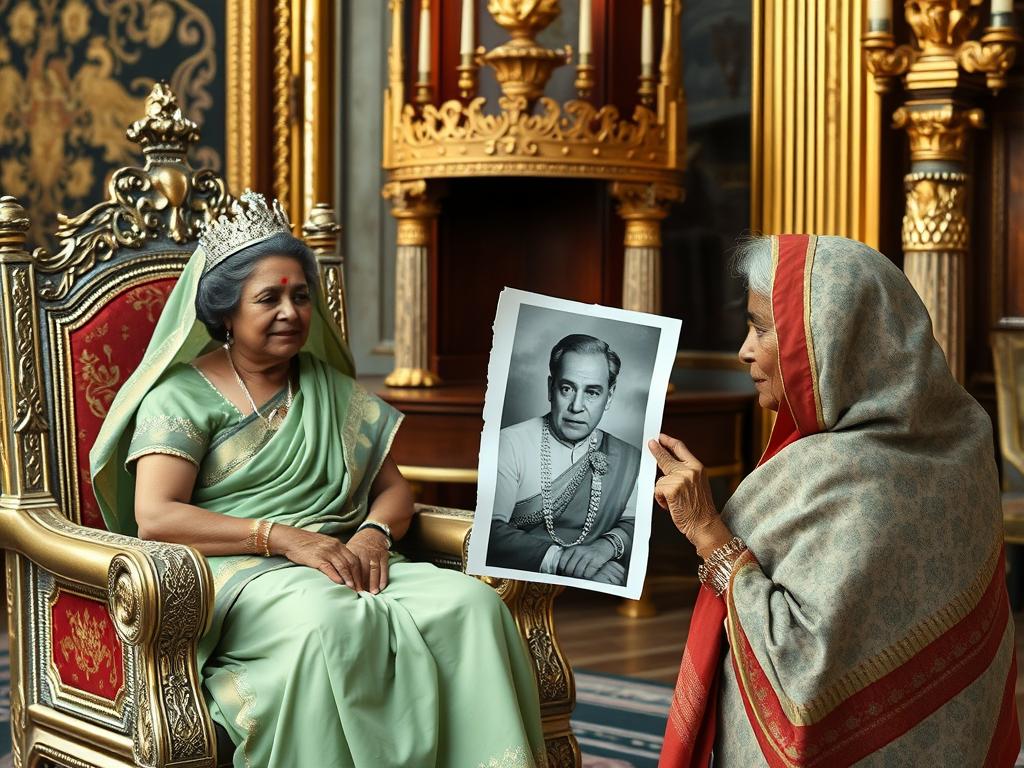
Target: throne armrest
[(158, 598), (440, 535)]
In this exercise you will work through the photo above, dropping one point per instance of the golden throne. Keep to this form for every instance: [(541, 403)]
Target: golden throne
[(103, 627)]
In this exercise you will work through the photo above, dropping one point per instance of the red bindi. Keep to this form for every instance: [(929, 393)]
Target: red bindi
[(284, 281)]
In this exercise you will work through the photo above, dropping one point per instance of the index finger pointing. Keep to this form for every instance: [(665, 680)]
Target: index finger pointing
[(678, 448)]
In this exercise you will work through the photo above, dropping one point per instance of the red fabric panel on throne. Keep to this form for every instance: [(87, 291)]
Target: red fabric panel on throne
[(104, 352), (86, 651)]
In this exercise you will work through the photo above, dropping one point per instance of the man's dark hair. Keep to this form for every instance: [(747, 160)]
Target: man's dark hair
[(220, 290), (581, 343)]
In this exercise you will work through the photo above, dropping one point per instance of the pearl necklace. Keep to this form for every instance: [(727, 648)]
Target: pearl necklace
[(277, 412), (599, 463)]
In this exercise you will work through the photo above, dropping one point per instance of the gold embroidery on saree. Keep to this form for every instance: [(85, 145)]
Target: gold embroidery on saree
[(513, 757), (244, 718), (882, 663)]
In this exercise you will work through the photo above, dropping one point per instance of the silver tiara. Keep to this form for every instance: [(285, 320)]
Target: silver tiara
[(248, 220)]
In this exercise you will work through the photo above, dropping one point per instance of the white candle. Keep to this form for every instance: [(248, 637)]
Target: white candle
[(1002, 6), (468, 33), (585, 42), (880, 11), (647, 39), (424, 61)]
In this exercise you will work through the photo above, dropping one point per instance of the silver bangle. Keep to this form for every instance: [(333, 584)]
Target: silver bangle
[(716, 570), (617, 543)]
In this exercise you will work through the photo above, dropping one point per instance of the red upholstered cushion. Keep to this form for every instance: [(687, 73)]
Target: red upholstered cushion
[(104, 352), (86, 649)]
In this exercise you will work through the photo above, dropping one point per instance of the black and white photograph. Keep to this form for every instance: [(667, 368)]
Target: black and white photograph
[(574, 392)]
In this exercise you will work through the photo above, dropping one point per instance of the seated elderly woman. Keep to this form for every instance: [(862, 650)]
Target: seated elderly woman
[(326, 648), (858, 570)]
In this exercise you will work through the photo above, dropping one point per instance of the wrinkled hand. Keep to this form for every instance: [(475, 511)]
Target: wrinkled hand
[(684, 489), (584, 560), (371, 547), (315, 550), (611, 573)]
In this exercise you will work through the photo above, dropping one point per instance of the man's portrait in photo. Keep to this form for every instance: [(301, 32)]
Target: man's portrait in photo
[(565, 501), (573, 393)]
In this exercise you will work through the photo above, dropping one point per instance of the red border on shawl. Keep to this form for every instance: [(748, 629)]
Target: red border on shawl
[(789, 310), (867, 721)]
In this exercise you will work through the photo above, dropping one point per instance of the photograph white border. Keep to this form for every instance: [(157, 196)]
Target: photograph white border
[(505, 324)]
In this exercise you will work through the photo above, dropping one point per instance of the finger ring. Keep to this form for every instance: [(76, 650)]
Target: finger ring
[(374, 565)]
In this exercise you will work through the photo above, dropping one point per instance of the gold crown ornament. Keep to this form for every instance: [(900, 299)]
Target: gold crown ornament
[(247, 221)]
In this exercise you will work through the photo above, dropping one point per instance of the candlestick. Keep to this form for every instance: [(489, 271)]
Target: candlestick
[(879, 15), (424, 58), (585, 35), (647, 39), (468, 32), (1000, 7)]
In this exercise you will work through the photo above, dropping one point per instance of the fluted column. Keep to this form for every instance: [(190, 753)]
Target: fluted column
[(936, 227), (321, 232), (415, 212), (642, 207)]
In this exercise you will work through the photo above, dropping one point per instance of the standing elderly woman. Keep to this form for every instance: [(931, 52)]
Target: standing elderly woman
[(243, 434), (858, 570)]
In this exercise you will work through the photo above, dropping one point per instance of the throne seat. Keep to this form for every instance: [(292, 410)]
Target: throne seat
[(104, 627)]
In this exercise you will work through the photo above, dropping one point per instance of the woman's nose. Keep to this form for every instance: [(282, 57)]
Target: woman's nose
[(746, 353)]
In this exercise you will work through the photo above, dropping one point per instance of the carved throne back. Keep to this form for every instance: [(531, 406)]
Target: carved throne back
[(101, 294)]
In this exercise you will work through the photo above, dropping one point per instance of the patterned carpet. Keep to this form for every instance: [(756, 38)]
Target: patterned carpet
[(619, 721)]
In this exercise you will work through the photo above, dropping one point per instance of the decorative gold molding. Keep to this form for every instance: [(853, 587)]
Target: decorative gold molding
[(321, 232), (993, 55), (282, 104), (936, 217), (240, 113), (937, 131), (164, 198)]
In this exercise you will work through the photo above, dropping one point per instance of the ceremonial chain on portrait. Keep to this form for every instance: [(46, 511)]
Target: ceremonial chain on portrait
[(277, 413), (595, 459)]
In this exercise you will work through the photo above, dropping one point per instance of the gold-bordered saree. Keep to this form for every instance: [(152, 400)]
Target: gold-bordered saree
[(868, 623), (299, 670)]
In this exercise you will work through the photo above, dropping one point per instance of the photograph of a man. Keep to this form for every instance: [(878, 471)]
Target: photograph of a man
[(566, 491)]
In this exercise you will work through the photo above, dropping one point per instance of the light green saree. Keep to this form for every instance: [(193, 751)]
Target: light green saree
[(299, 670)]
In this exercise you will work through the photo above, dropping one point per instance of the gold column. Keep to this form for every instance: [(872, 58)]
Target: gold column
[(941, 84), (321, 232), (416, 212), (643, 207), (816, 130)]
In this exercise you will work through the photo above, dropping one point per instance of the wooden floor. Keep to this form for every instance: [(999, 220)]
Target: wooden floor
[(595, 637)]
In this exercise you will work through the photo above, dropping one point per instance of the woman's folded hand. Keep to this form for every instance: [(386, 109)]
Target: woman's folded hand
[(684, 489), (371, 547), (325, 553)]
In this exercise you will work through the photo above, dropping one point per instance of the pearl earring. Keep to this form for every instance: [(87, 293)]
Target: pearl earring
[(228, 338)]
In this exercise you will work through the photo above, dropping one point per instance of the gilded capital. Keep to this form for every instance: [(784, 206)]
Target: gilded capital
[(941, 26), (938, 132), (645, 201), (410, 199)]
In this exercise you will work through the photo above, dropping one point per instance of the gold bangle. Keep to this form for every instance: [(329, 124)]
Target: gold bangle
[(252, 540), (266, 537)]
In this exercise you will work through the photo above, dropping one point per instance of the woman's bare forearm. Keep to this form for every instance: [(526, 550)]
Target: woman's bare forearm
[(209, 532), (392, 500)]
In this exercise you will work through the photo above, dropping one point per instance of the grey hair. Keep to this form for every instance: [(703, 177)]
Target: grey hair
[(220, 290), (581, 343), (752, 260)]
